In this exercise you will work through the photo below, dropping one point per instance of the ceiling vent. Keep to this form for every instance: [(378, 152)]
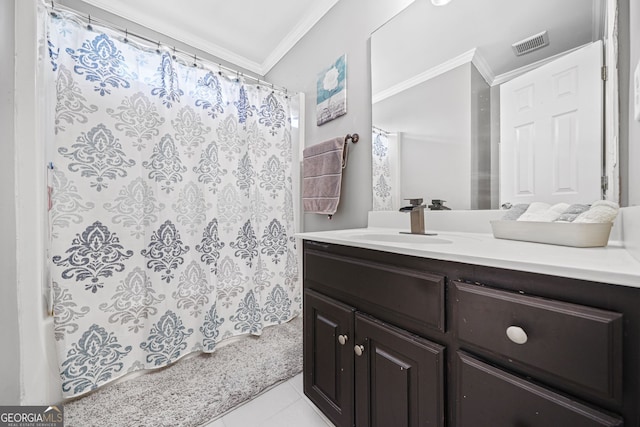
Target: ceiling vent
[(531, 43)]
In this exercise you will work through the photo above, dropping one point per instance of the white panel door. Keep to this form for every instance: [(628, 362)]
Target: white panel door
[(551, 131)]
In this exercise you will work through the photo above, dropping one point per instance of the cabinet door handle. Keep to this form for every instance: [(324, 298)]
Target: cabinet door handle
[(517, 335), (359, 349), (342, 339)]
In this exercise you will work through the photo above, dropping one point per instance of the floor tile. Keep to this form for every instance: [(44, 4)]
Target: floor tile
[(295, 415), (217, 423), (262, 407), (317, 411), (296, 383)]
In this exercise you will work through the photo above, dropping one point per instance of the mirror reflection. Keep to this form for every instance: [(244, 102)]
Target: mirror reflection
[(484, 103)]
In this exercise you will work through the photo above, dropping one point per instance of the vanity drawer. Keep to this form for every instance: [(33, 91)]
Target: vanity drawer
[(567, 345), (488, 397), (411, 299)]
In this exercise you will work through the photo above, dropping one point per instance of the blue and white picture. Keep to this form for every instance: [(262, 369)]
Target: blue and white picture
[(332, 91)]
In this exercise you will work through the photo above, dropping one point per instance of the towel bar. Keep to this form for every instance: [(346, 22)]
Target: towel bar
[(354, 138)]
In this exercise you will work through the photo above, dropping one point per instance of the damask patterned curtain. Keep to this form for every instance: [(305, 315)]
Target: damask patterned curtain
[(172, 212), (381, 172)]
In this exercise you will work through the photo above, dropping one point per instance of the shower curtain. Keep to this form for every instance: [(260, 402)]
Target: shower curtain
[(381, 172), (171, 205)]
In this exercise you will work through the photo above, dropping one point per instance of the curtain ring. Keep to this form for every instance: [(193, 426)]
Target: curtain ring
[(158, 48), (89, 27), (126, 35), (195, 60), (53, 12), (174, 53)]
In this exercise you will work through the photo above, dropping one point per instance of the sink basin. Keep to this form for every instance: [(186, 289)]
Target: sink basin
[(400, 238)]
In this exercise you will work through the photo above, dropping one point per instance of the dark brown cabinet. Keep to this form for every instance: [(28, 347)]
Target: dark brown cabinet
[(328, 356), (396, 340), (398, 376)]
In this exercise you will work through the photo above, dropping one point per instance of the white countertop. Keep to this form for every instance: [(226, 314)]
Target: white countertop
[(611, 264)]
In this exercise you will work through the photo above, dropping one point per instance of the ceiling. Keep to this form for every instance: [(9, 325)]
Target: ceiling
[(252, 34)]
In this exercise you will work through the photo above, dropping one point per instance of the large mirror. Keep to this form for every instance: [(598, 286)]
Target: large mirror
[(449, 88)]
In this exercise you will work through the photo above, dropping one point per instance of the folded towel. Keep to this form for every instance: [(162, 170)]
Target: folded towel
[(515, 211), (600, 211), (572, 212), (322, 179), (542, 212)]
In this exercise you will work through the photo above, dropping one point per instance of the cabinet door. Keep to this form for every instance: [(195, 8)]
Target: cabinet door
[(328, 356), (399, 377)]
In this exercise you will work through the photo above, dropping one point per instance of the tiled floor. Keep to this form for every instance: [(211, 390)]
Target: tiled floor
[(283, 406)]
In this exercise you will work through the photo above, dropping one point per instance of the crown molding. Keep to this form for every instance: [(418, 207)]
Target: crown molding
[(483, 67), (424, 76), (294, 36)]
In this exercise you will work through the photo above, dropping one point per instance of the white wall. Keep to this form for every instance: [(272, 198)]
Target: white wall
[(10, 354), (345, 29), (436, 161)]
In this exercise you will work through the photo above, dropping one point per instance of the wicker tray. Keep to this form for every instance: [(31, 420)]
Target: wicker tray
[(580, 235)]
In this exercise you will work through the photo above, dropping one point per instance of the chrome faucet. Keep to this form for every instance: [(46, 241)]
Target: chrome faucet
[(416, 208)]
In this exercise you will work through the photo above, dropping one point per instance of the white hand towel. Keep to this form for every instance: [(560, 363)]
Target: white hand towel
[(515, 211), (533, 210), (542, 212), (600, 211)]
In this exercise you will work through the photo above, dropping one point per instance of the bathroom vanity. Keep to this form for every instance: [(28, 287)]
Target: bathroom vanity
[(403, 333)]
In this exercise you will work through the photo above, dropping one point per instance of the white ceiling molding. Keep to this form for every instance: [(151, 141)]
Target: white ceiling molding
[(424, 76), (296, 34), (474, 56), (483, 67)]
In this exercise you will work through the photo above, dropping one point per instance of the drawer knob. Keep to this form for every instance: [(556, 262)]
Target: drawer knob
[(342, 339), (517, 334), (359, 349)]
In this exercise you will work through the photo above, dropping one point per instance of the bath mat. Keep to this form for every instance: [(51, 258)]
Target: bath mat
[(194, 391)]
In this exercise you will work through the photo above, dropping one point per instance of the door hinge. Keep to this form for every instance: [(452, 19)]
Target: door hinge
[(603, 73), (604, 183)]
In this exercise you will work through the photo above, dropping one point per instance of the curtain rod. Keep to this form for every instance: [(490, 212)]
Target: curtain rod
[(197, 62), (379, 130)]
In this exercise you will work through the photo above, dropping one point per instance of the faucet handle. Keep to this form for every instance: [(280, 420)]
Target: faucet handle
[(414, 202)]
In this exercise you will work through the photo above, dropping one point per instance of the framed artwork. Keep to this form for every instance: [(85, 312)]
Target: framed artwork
[(332, 91)]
